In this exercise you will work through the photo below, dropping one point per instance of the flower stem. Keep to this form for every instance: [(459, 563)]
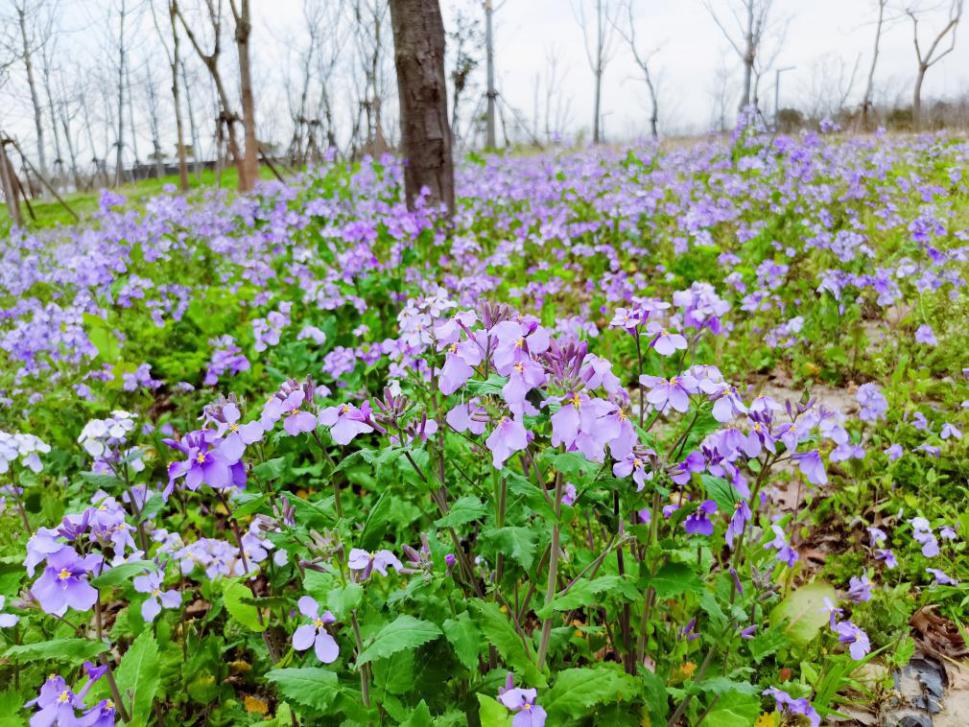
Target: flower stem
[(365, 668), (553, 564)]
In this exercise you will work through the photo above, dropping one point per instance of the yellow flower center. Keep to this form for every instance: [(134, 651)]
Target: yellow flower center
[(520, 343), (453, 348), (575, 401), (345, 409), (637, 463), (233, 427), (520, 367), (64, 697), (318, 623), (155, 592), (200, 458), (527, 707), (64, 574), (756, 426)]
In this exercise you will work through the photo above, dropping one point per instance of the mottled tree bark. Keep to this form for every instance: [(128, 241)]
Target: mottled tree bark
[(243, 31), (422, 89)]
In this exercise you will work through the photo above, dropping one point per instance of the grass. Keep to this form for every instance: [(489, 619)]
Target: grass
[(48, 212)]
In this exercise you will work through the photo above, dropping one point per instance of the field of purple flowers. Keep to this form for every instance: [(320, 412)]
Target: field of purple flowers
[(641, 437)]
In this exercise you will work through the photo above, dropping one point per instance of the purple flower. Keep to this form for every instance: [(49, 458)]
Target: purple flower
[(635, 464), (741, 516), (7, 619), (347, 421), (469, 417), (58, 705), (522, 703), (151, 583), (785, 704), (63, 584), (811, 467), (664, 342), (950, 430), (922, 533), (925, 334), (941, 578), (857, 640), (315, 634), (459, 364), (728, 405), (568, 498), (235, 437), (698, 522), (785, 553), (894, 452), (508, 437), (666, 393), (872, 402), (206, 463), (886, 555), (859, 589), (363, 563)]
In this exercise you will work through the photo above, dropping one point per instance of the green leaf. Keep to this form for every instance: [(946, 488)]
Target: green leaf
[(271, 469), (102, 338), (139, 676), (493, 713), (405, 632), (733, 709), (720, 491), (420, 717), (500, 633), (576, 691), (585, 593), (343, 599), (11, 704), (674, 579), (464, 637), (516, 542), (123, 572), (465, 510), (237, 599), (802, 614), (70, 651), (312, 687)]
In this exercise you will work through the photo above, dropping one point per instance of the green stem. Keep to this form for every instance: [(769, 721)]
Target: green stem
[(553, 564)]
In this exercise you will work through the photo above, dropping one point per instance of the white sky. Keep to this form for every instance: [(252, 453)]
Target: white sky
[(823, 38)]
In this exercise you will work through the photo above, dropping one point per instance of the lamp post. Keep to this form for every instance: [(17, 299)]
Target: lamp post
[(777, 89)]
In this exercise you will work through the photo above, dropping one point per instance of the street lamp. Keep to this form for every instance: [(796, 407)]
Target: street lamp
[(777, 90)]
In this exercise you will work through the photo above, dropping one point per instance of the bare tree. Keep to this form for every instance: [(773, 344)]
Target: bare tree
[(464, 38), (930, 57), (557, 104), (832, 82), (242, 16), (598, 51), (34, 28), (46, 56), (173, 57), (369, 18), (491, 94), (866, 101), (720, 90), (122, 64), (422, 89), (227, 117), (750, 20), (642, 59)]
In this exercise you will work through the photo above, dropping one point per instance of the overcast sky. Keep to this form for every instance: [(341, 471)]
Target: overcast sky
[(823, 40), (691, 49)]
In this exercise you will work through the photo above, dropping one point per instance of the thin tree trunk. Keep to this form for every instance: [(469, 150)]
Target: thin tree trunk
[(870, 87), (917, 97), (119, 160), (176, 100), (422, 88), (492, 94), (32, 84), (9, 187), (596, 130), (243, 23), (193, 129), (58, 160)]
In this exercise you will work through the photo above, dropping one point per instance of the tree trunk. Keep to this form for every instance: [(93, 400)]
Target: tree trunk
[(917, 97), (119, 169), (492, 94), (193, 129), (422, 88), (9, 187), (34, 98), (176, 100), (243, 22), (866, 102)]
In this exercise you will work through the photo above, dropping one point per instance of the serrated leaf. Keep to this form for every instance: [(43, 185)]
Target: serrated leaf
[(464, 637), (733, 709), (419, 717), (672, 580), (236, 598), (500, 633), (465, 510), (11, 704), (576, 691), (123, 572), (585, 593), (139, 676), (312, 687), (517, 543), (802, 614), (70, 651), (405, 632), (343, 599)]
